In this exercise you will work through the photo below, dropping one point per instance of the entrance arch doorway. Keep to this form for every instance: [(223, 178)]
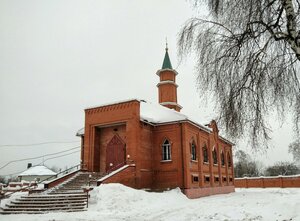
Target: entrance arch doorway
[(115, 154)]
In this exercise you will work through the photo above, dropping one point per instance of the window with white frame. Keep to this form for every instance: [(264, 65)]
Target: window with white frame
[(166, 150), (193, 151), (205, 154)]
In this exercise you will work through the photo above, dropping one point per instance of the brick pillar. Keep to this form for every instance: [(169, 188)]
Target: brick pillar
[(184, 154), (211, 163), (219, 164), (200, 161)]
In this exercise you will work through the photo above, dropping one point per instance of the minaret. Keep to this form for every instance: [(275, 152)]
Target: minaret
[(167, 87)]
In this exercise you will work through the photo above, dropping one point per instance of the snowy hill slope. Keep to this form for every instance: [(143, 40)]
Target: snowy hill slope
[(118, 202)]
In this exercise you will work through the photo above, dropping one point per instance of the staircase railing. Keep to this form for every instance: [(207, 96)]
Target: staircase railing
[(115, 167), (62, 173)]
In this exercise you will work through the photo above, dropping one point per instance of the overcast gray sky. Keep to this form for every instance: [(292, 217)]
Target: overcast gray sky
[(58, 57)]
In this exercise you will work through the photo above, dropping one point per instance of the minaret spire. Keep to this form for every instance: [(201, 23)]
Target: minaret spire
[(167, 87), (167, 63), (166, 44)]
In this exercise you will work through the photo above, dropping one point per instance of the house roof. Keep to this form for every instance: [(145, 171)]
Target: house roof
[(157, 114), (38, 171)]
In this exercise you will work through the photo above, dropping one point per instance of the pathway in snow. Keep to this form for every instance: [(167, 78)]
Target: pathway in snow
[(117, 202)]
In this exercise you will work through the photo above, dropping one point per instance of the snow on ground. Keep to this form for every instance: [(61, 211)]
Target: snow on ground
[(118, 202)]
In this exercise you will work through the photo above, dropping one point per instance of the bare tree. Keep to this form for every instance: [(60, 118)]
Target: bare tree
[(248, 57), (294, 149), (282, 168), (245, 166)]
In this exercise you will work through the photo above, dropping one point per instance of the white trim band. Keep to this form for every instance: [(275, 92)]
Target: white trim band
[(167, 82), (166, 69), (170, 103)]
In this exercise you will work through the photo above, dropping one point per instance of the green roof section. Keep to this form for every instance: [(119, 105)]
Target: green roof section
[(167, 63)]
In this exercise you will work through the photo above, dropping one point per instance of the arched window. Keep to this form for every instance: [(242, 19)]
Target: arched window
[(222, 158), (205, 154), (166, 150), (193, 151), (215, 158), (229, 160)]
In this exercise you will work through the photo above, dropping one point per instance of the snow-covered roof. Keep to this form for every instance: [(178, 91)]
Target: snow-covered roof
[(158, 114), (152, 113), (38, 171)]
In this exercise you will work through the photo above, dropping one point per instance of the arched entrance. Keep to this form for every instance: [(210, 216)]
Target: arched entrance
[(115, 154)]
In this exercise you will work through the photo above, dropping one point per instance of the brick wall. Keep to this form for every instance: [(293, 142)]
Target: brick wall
[(207, 191), (144, 153), (167, 174), (126, 177), (268, 182), (219, 175)]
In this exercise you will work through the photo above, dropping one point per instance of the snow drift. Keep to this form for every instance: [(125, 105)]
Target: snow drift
[(117, 202)]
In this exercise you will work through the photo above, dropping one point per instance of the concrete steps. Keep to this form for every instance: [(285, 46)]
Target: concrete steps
[(32, 206), (46, 203), (67, 197), (38, 212), (41, 211), (43, 203), (76, 184)]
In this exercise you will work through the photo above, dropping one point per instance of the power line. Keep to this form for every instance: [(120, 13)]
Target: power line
[(44, 161), (51, 158), (37, 144), (32, 158)]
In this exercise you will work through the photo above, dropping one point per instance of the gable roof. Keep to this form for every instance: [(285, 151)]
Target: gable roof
[(38, 171)]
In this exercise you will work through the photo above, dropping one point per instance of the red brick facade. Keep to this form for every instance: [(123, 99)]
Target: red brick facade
[(126, 177), (143, 142)]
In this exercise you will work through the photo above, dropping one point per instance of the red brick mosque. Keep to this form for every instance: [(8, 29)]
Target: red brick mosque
[(154, 146)]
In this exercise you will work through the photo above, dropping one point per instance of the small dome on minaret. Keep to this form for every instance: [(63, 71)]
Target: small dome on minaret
[(167, 87)]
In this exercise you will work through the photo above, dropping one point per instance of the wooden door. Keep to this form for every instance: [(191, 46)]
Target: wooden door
[(115, 154)]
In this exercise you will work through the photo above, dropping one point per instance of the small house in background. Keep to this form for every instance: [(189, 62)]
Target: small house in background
[(38, 173)]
